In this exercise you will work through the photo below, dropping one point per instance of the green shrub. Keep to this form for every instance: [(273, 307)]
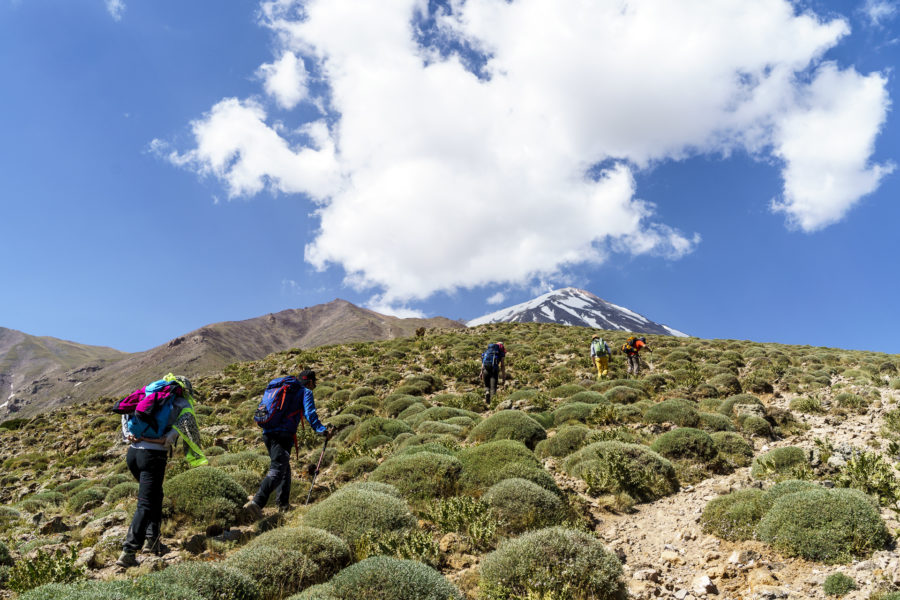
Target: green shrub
[(567, 440), (128, 489), (851, 401), (205, 494), (726, 384), (715, 422), (789, 486), (870, 473), (277, 572), (212, 580), (372, 486), (727, 405), (624, 394), (734, 516), (56, 567), (617, 467), (564, 391), (552, 563), (685, 443), (87, 497), (440, 428), (143, 588), (830, 526), (384, 578), (677, 411), (411, 545), (589, 397), (757, 426), (806, 405), (247, 460), (6, 559), (421, 475), (377, 426), (522, 505), (394, 405), (838, 584), (781, 463), (355, 467), (572, 411), (733, 447), (329, 552), (486, 464), (508, 425), (351, 512)]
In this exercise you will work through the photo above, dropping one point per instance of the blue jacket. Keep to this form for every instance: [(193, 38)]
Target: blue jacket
[(309, 413)]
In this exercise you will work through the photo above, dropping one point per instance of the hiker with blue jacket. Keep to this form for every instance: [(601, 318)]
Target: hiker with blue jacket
[(286, 402), (151, 435)]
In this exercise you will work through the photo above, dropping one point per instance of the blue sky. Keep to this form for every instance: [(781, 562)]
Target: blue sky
[(164, 165)]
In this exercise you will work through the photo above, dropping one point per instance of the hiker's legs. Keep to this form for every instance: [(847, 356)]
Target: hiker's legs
[(149, 468), (279, 447), (634, 364), (602, 366)]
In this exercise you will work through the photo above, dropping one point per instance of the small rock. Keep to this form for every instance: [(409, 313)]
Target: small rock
[(704, 585), (681, 594), (767, 592), (671, 556), (87, 558), (646, 575), (452, 542), (195, 544), (54, 525), (742, 557)]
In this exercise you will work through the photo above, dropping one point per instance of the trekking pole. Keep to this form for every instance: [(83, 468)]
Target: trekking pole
[(319, 464)]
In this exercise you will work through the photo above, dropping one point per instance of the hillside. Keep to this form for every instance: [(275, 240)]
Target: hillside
[(211, 348), (28, 362), (664, 486), (580, 308)]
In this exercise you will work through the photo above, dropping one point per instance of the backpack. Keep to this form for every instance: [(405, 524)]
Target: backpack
[(599, 347), (628, 346), (491, 357), (280, 408), (146, 402)]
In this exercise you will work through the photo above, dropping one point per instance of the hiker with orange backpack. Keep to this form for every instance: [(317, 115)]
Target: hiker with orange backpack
[(286, 402), (632, 348)]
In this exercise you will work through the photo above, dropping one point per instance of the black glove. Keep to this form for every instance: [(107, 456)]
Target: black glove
[(329, 432)]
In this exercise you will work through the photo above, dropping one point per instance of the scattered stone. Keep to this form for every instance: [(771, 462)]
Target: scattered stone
[(452, 542), (739, 557), (54, 525), (671, 556), (87, 557), (704, 585), (646, 575), (195, 544)]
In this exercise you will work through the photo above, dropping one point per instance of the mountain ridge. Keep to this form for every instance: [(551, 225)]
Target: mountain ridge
[(576, 307)]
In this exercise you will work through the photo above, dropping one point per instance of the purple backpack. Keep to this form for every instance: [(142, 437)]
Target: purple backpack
[(144, 402)]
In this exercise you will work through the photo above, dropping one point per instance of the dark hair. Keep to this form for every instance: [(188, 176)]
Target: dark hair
[(306, 377)]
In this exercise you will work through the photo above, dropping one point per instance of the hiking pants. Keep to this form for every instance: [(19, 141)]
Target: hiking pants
[(602, 363), (634, 364), (488, 373), (279, 446), (148, 468)]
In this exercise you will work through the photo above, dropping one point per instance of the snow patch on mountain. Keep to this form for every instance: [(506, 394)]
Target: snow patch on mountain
[(571, 306)]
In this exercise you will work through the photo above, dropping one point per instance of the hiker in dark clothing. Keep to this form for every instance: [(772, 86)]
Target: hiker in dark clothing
[(493, 366), (146, 459), (279, 438)]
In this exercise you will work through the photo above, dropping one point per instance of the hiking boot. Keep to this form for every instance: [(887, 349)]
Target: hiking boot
[(487, 396), (252, 511), (283, 508), (127, 559), (156, 547)]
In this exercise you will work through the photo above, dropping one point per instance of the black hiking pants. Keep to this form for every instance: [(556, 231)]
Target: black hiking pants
[(148, 468), (488, 373), (279, 446)]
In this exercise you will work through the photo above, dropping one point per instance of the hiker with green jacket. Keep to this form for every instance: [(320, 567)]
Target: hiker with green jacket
[(600, 356)]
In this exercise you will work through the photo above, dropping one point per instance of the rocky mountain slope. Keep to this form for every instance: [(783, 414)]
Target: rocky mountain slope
[(28, 363), (204, 350), (571, 306), (426, 472)]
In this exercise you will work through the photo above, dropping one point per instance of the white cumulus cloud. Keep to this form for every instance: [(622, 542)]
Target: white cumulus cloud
[(285, 79), (115, 9), (428, 164), (880, 11), (497, 298)]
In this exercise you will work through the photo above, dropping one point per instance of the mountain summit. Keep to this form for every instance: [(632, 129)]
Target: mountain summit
[(571, 306)]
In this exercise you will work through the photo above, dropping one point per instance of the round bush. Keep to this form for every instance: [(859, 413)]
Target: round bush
[(205, 494), (508, 425), (755, 426), (726, 384), (128, 489), (247, 460), (143, 588), (552, 563), (677, 411), (482, 464), (614, 467), (355, 467), (524, 505), (440, 428), (572, 411), (378, 426), (830, 526), (734, 516), (727, 405), (385, 578), (733, 446), (422, 475), (589, 397), (779, 463), (5, 557), (439, 413), (394, 405), (685, 443), (86, 498), (623, 394), (567, 440), (277, 571), (564, 391), (838, 584), (372, 486), (211, 580), (715, 422), (329, 552), (790, 486), (350, 513), (806, 405)]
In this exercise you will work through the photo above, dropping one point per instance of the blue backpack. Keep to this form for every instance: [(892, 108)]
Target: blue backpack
[(491, 357), (281, 407)]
